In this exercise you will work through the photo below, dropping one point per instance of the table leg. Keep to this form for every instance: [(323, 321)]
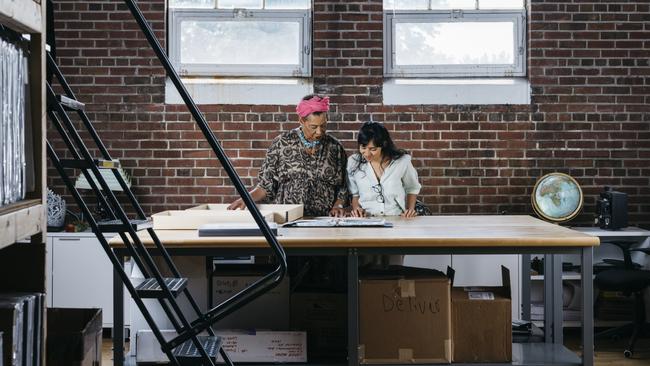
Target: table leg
[(525, 287), (558, 317), (548, 298), (587, 302), (353, 308), (118, 315)]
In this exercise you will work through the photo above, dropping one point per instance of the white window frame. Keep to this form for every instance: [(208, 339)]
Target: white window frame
[(391, 18), (302, 16)]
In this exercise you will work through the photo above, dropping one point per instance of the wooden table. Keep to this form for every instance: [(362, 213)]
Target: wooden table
[(420, 235)]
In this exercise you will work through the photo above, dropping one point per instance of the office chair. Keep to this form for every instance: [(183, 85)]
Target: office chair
[(629, 279)]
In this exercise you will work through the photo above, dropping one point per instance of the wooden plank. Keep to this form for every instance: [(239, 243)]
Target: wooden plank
[(30, 221), (22, 15), (20, 224), (7, 230), (19, 206), (498, 231)]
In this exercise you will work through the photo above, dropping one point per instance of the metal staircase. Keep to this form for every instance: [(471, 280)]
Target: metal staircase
[(191, 346)]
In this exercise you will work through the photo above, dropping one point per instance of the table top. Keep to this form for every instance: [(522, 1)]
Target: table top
[(419, 232), (629, 231)]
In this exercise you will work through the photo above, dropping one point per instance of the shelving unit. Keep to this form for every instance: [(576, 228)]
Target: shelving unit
[(22, 265), (27, 218), (606, 236)]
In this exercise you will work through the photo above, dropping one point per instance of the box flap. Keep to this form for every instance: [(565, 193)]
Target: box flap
[(398, 272), (505, 281)]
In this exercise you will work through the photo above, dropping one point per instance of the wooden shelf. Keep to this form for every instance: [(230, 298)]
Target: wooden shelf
[(22, 15), (22, 219)]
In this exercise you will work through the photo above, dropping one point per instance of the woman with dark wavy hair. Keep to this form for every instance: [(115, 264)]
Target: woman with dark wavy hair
[(381, 178)]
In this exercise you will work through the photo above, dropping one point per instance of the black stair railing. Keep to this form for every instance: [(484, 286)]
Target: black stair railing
[(165, 290), (81, 155), (266, 282)]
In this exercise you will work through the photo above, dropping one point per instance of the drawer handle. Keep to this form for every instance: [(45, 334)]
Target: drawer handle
[(69, 239)]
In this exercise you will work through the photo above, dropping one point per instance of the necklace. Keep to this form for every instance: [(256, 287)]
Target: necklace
[(305, 142), (379, 172)]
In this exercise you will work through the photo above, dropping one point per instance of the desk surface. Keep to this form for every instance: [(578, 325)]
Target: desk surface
[(424, 231)]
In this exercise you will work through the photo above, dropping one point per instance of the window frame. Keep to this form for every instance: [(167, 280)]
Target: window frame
[(518, 17), (302, 16)]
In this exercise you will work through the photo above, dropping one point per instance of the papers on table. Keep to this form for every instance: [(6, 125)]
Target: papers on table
[(340, 222)]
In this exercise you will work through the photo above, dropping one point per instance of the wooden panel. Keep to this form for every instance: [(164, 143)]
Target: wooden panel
[(29, 221), (7, 230), (419, 232), (21, 223), (22, 15)]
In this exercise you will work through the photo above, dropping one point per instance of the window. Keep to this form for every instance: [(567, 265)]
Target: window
[(240, 37), (454, 38)]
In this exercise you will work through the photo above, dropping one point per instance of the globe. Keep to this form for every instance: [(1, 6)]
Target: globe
[(557, 197)]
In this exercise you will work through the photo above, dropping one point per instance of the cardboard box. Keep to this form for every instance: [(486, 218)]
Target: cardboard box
[(281, 213), (269, 311), (193, 219), (482, 323), (266, 347), (405, 320), (324, 317)]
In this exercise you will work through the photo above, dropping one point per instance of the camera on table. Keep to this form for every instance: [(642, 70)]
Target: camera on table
[(611, 210)]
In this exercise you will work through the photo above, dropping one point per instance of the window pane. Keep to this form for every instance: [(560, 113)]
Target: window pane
[(288, 4), (406, 4), (501, 4), (460, 43), (247, 43), (191, 4), (453, 4), (240, 4)]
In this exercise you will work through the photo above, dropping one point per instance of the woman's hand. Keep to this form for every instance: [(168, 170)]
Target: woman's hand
[(237, 205), (358, 212), (409, 213), (337, 211)]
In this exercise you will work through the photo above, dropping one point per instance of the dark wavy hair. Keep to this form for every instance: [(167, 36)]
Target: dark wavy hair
[(378, 134)]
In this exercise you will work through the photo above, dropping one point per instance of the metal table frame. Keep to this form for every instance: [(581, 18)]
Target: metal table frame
[(552, 352)]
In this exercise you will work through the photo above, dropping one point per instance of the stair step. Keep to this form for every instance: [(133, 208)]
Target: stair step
[(116, 226), (188, 354), (83, 164), (70, 104), (150, 289)]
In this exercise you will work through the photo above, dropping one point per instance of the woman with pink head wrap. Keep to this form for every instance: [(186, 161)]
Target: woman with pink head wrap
[(305, 165)]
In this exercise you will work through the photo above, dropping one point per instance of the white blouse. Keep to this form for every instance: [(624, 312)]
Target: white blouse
[(399, 179)]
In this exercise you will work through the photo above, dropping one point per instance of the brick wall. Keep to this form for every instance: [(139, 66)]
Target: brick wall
[(588, 67)]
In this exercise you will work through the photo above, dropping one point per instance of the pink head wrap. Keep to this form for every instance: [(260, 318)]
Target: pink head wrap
[(315, 104)]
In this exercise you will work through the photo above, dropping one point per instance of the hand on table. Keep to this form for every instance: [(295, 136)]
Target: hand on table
[(409, 213)]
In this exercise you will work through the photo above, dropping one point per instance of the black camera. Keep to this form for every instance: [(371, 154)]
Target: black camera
[(611, 210)]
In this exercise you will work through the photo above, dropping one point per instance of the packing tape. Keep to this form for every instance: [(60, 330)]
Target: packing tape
[(405, 354), (407, 288)]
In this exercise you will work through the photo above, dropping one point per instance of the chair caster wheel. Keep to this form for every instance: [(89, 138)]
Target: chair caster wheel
[(627, 353)]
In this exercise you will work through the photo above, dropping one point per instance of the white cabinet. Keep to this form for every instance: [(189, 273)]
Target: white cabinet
[(476, 270), (81, 274)]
